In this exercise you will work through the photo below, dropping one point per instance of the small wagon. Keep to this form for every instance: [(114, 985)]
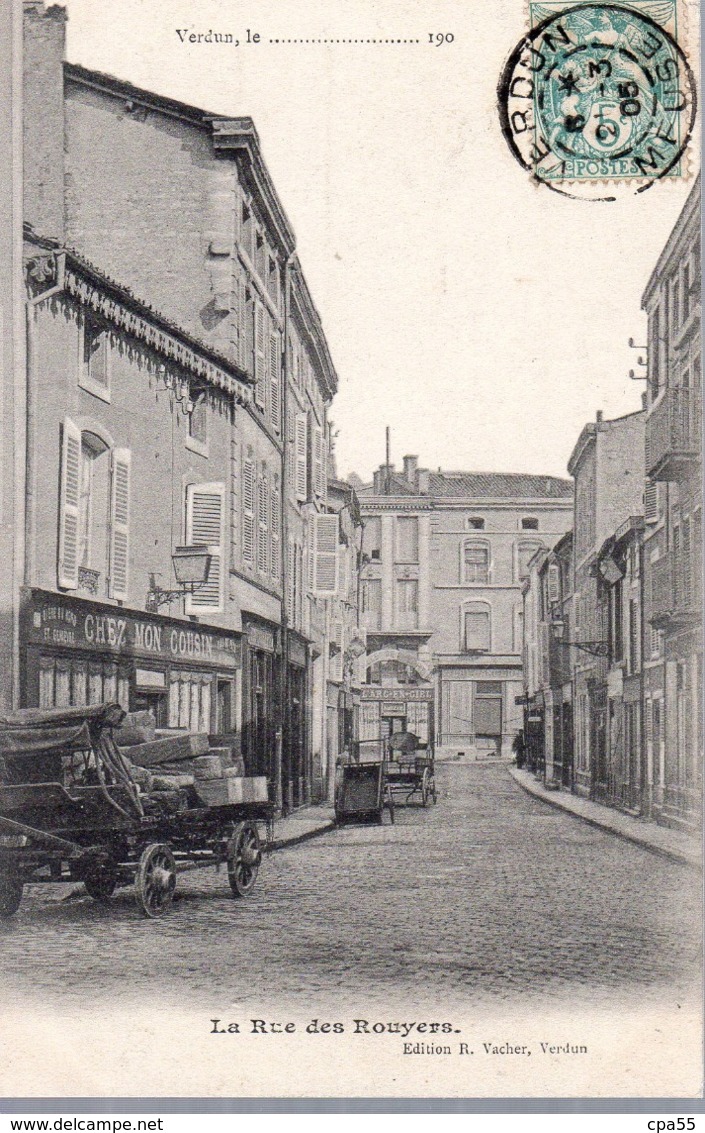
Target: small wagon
[(362, 792), (410, 768), (71, 810)]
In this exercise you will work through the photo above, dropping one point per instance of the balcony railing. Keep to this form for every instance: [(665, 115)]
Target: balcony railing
[(673, 434)]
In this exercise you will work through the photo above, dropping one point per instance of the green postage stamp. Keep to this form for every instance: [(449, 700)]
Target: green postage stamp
[(599, 100)]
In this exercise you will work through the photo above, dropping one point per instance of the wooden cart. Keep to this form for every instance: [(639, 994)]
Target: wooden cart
[(410, 768), (70, 810), (362, 792)]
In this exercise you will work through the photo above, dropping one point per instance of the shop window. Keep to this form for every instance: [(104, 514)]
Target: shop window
[(190, 701), (94, 369), (476, 563), (477, 628), (407, 539), (69, 681)]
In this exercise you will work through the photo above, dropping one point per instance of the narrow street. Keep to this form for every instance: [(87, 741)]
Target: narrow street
[(490, 894)]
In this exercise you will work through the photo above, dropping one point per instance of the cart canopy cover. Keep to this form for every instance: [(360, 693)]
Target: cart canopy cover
[(33, 731)]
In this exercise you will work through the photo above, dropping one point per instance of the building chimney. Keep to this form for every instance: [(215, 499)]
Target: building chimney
[(598, 416), (410, 469), (383, 478), (44, 50), (424, 481)]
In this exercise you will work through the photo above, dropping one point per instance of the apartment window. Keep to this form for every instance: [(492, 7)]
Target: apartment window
[(476, 563), (372, 602), (248, 232), (529, 523), (656, 642), (476, 523), (205, 513), (477, 628), (407, 539), (260, 256), (94, 373), (372, 538), (93, 502), (407, 603), (198, 421), (633, 636), (525, 552)]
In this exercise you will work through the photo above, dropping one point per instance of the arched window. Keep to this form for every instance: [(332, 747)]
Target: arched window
[(476, 627), (475, 565)]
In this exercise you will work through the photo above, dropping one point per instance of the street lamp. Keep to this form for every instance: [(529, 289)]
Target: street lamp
[(596, 648), (192, 566)]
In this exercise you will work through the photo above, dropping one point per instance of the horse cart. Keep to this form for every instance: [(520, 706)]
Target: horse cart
[(71, 810), (410, 768)]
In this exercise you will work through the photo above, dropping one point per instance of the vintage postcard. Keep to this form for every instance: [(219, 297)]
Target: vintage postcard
[(351, 660)]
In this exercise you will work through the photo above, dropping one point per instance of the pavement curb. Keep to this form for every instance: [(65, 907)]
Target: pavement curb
[(296, 839), (538, 792)]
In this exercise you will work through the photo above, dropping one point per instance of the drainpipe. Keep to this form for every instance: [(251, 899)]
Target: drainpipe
[(30, 416), (643, 754)]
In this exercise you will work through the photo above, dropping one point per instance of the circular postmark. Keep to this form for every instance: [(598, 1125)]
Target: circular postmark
[(598, 101)]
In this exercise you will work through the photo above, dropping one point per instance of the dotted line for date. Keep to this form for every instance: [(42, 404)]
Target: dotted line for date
[(345, 41)]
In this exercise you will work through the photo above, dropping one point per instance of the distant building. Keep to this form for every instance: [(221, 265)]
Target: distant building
[(444, 556)]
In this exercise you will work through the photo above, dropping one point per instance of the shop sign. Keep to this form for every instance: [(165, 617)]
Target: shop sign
[(260, 637), (297, 653), (369, 692), (72, 623)]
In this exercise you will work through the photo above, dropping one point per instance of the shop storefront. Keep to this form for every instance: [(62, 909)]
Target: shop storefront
[(387, 710), (78, 652), (296, 770)]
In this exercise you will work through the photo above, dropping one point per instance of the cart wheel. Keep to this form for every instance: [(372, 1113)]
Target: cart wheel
[(244, 855), (155, 880), (10, 894), (425, 787), (100, 881)]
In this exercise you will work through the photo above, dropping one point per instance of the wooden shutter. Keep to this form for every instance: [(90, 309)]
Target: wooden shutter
[(239, 318), (301, 438), (275, 518), (326, 564), (290, 568), (205, 505), (370, 722), (650, 502), (262, 524), (120, 524), (311, 555), (275, 380), (248, 512), (260, 356), (318, 477), (68, 505)]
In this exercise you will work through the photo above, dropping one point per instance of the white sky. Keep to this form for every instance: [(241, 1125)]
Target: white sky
[(483, 318)]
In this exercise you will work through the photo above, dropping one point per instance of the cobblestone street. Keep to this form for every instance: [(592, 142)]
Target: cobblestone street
[(488, 895)]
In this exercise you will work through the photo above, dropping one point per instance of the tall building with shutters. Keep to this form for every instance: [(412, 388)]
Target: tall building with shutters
[(673, 684), (444, 556), (185, 381)]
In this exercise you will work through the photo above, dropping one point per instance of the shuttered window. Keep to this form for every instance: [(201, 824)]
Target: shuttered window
[(319, 485), (248, 512), (477, 628), (326, 554), (275, 380), (239, 319), (275, 516), (260, 355), (263, 524), (204, 526), (301, 470), (650, 502), (120, 524), (290, 569), (69, 505)]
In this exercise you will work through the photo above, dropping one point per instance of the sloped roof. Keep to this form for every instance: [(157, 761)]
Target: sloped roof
[(499, 485)]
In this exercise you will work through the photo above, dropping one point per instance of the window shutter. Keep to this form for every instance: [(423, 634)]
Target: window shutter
[(248, 512), (262, 524), (326, 559), (260, 356), (311, 555), (120, 524), (301, 456), (318, 478), (239, 318), (275, 380), (275, 516), (650, 502), (290, 566), (205, 504), (68, 505)]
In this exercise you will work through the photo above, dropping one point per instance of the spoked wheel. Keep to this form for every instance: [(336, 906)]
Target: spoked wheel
[(155, 880), (100, 881), (11, 889), (244, 855), (425, 787)]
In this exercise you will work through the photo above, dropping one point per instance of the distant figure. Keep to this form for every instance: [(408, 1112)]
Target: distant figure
[(519, 748)]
